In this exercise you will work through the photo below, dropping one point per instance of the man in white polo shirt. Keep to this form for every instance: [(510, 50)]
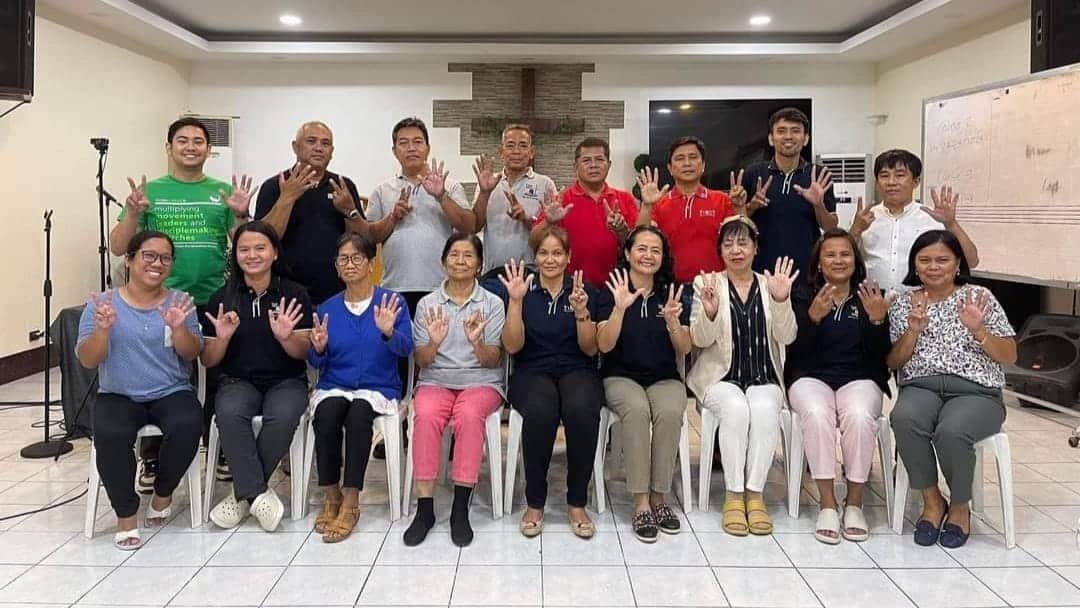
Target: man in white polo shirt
[(888, 230)]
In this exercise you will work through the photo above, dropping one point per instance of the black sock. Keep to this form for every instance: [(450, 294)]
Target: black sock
[(422, 523), (460, 530)]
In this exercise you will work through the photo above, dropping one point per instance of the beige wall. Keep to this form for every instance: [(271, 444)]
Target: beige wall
[(85, 87)]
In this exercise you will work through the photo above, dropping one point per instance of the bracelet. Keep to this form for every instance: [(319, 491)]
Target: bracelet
[(673, 330), (582, 319), (985, 337)]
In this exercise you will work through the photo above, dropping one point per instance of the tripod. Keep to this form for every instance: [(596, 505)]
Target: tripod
[(47, 448)]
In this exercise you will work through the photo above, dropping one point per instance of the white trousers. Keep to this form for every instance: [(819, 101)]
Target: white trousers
[(749, 428)]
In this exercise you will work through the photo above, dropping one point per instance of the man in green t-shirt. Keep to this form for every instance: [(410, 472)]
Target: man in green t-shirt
[(199, 213)]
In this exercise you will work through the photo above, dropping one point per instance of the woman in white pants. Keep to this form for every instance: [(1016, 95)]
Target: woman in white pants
[(743, 321)]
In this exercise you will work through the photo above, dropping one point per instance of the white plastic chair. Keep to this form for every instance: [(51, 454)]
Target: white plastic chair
[(94, 481), (794, 457), (999, 445), (296, 454)]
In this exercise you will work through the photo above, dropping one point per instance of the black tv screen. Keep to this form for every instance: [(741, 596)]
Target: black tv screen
[(735, 132)]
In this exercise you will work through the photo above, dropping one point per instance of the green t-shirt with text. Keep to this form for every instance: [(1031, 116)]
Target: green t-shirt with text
[(197, 219)]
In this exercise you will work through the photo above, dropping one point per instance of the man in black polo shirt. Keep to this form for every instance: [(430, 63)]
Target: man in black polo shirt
[(791, 200), (310, 207)]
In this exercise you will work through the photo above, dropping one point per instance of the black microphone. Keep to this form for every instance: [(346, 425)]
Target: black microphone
[(108, 197)]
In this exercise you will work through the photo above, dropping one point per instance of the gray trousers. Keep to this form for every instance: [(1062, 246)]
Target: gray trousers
[(651, 422), (946, 415), (252, 460)]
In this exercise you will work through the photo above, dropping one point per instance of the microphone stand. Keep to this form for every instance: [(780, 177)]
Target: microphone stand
[(47, 448), (101, 144)]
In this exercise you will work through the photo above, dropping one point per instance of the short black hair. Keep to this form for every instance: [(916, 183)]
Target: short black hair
[(816, 278), (933, 237), (682, 141), (405, 123), (137, 241), (187, 121), (477, 244), (891, 159), (364, 245), (592, 142), (791, 115)]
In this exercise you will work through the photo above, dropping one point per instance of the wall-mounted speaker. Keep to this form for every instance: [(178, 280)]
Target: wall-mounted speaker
[(17, 49), (1048, 359), (1055, 34)]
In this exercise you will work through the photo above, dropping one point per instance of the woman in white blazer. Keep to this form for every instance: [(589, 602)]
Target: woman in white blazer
[(742, 321)]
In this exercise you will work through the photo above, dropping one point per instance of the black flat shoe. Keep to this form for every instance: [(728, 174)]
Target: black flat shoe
[(926, 533), (953, 536), (666, 519), (645, 527)]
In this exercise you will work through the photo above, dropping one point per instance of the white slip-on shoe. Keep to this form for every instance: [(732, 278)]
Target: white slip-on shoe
[(230, 512), (268, 509)]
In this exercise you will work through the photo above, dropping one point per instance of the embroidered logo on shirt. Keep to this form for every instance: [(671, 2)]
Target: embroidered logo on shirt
[(530, 191)]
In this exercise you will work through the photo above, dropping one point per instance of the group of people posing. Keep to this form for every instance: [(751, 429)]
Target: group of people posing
[(597, 300)]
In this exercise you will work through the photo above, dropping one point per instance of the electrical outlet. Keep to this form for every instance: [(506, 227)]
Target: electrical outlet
[(36, 335)]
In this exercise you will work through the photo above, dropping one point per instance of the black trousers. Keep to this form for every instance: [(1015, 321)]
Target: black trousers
[(117, 420), (544, 400), (333, 417)]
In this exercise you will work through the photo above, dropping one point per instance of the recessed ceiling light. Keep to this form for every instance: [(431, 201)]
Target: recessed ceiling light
[(686, 106), (760, 20), (290, 20), (664, 111)]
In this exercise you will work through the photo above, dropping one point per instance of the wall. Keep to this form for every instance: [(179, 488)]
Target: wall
[(85, 87)]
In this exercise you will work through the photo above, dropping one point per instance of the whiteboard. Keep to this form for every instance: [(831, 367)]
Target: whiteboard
[(1012, 152)]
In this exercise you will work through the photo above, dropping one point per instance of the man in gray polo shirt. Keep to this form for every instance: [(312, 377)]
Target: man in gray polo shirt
[(507, 203)]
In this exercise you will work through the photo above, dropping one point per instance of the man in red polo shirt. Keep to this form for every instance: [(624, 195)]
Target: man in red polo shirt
[(596, 216), (691, 214)]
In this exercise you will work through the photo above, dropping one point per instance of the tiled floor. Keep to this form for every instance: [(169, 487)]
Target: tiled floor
[(45, 560)]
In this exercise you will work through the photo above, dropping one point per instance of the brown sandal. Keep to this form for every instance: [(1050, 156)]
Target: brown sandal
[(327, 516), (342, 526)]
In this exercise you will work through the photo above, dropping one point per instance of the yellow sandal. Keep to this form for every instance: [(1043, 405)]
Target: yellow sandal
[(342, 526), (734, 521), (327, 516), (757, 514)]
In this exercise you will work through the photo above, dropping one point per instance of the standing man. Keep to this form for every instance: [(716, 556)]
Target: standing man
[(691, 214), (198, 212), (310, 207), (595, 215), (793, 199), (887, 231)]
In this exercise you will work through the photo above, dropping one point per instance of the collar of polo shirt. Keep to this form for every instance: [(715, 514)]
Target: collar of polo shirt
[(475, 296)]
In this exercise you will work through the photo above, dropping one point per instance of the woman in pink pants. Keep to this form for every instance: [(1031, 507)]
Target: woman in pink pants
[(836, 376), (457, 331)]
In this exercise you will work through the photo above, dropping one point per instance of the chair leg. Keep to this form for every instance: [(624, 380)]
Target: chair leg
[(211, 464), (978, 501), (599, 492), (296, 478), (708, 434), (195, 492), (794, 458), (406, 495), (885, 446), (92, 485), (1000, 444), (900, 490), (687, 494), (513, 458), (390, 427), (492, 427), (308, 461)]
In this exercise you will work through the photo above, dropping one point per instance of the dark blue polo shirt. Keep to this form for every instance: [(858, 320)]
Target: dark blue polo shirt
[(643, 352), (551, 344), (788, 226)]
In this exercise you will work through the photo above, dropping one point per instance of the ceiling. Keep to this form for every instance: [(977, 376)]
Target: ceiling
[(517, 30)]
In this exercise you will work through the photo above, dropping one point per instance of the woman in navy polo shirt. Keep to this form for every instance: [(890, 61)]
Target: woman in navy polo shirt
[(550, 331), (642, 332), (256, 328)]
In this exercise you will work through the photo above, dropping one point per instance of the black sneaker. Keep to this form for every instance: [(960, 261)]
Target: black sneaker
[(147, 476), (379, 452), (222, 472), (666, 519), (645, 527)]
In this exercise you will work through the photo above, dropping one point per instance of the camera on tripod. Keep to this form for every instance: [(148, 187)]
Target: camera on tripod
[(101, 144)]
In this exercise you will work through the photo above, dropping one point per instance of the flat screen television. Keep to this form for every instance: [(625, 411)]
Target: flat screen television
[(735, 132)]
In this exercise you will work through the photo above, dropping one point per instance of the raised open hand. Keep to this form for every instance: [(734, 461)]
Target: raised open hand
[(239, 201), (137, 202), (435, 180), (974, 308), (437, 324), (474, 327), (319, 332), (760, 198), (386, 313), (342, 198), (945, 201), (673, 306), (918, 318), (709, 294), (301, 179), (864, 216), (874, 302), (225, 323), (618, 284), (737, 194), (648, 180), (486, 177), (823, 303), (554, 211), (176, 307), (579, 298), (285, 318), (780, 280), (515, 280), (819, 185), (104, 313)]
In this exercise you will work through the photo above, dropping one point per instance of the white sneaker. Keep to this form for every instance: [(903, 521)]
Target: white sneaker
[(229, 513), (268, 509)]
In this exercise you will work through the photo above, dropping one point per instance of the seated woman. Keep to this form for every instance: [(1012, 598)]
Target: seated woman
[(142, 339), (836, 375), (457, 336), (742, 321), (550, 331), (642, 333), (949, 341), (254, 337), (356, 341)]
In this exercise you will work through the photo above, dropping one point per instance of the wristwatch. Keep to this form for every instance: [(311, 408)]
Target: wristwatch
[(353, 214)]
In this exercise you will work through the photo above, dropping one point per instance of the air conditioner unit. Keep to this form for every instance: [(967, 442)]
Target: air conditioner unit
[(221, 129), (851, 176)]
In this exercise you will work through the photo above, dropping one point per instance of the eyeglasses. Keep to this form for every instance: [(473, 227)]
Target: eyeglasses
[(356, 258), (152, 256)]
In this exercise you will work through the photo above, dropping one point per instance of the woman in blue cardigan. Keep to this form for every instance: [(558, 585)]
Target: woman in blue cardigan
[(356, 340)]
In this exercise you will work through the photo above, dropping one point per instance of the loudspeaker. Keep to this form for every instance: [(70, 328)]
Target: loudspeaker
[(1048, 359), (17, 49), (1055, 34)]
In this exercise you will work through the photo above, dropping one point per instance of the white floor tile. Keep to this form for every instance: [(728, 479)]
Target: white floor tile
[(1051, 494), (723, 549), (681, 549), (318, 586), (29, 548), (845, 588), (1027, 520), (237, 586), (891, 551), (766, 587), (276, 549), (178, 550), (359, 549), (1058, 471), (1052, 549), (934, 588), (1071, 573), (9, 573), (675, 586), (603, 549), (1069, 517), (1029, 586), (139, 586), (436, 550), (497, 586), (53, 584), (81, 551), (408, 585), (989, 552), (18, 471), (503, 548), (807, 552), (594, 586)]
